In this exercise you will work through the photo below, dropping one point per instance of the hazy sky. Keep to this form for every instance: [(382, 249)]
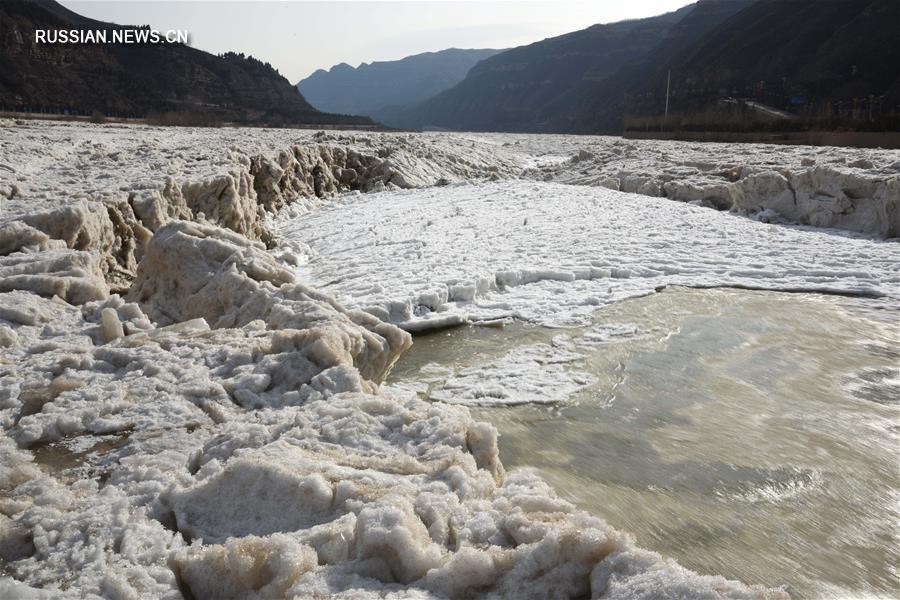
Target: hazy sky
[(299, 37)]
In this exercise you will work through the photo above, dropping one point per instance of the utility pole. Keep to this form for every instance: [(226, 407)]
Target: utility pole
[(668, 81)]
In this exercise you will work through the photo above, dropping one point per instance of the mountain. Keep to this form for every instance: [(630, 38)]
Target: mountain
[(798, 55), (137, 80), (641, 85), (519, 90), (831, 57), (396, 84)]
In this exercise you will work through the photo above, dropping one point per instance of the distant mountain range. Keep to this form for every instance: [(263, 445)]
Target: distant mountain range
[(793, 54), (135, 80), (373, 88)]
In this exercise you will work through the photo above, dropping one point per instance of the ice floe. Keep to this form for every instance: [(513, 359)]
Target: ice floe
[(551, 253), (848, 188)]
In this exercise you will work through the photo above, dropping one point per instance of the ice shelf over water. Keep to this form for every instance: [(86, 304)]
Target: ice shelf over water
[(185, 415)]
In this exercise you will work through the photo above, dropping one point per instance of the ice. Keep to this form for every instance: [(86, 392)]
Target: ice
[(185, 414), (16, 235), (551, 254), (10, 588), (248, 567), (252, 497), (68, 274), (847, 188), (537, 374), (350, 492), (638, 573), (195, 271), (108, 189), (110, 325), (607, 333)]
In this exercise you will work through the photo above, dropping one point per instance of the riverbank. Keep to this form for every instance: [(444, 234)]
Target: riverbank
[(852, 139)]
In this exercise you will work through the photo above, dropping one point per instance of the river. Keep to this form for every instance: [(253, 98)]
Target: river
[(749, 434)]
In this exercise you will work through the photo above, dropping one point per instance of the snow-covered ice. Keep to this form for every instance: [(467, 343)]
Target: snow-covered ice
[(849, 188), (551, 253)]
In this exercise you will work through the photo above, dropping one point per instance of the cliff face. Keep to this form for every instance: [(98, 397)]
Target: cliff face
[(136, 79)]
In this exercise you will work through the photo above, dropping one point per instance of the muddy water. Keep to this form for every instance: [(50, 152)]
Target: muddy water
[(749, 434)]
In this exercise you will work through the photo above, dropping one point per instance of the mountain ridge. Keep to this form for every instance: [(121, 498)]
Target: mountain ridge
[(373, 87), (806, 56), (137, 80)]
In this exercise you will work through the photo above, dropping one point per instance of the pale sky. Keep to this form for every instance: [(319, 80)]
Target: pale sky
[(299, 37)]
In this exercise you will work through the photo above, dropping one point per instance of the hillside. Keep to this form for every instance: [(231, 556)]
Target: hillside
[(374, 87), (817, 59), (520, 89), (641, 85), (137, 80), (835, 63)]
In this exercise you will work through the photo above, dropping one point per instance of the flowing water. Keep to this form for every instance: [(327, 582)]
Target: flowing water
[(749, 434)]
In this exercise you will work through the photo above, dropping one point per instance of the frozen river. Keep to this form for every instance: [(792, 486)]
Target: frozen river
[(746, 433), (551, 254), (193, 395)]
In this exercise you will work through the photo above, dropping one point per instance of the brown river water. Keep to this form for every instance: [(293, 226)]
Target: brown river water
[(749, 434)]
